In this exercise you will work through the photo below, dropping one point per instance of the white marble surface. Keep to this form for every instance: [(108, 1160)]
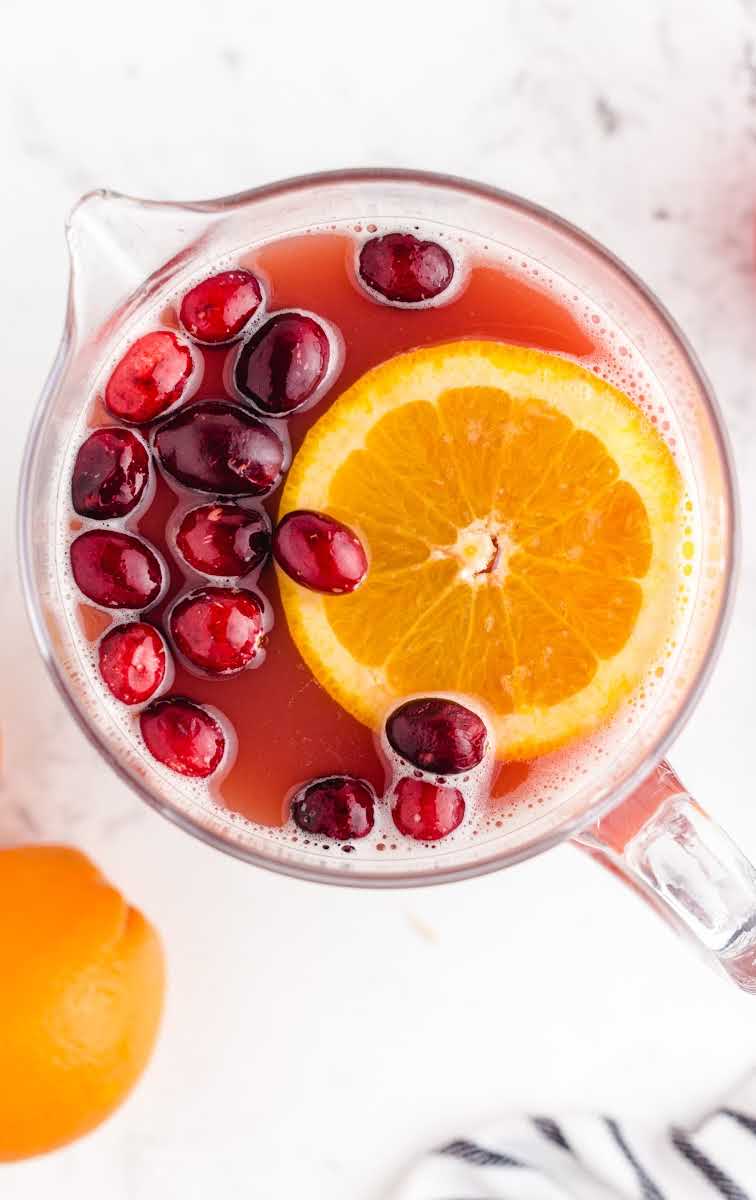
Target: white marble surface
[(314, 1039)]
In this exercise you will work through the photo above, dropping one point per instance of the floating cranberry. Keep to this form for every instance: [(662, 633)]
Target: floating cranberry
[(218, 629), (427, 811), (319, 552), (404, 269), (110, 474), (132, 662), (439, 736), (217, 309), (340, 807), (224, 539), (116, 570), (183, 736), (281, 366), (217, 447), (150, 377)]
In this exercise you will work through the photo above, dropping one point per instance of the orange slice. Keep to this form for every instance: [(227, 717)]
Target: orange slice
[(521, 518)]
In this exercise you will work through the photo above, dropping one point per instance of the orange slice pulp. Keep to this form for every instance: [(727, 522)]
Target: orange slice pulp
[(522, 522)]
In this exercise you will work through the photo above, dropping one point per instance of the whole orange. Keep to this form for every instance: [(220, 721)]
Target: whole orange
[(81, 993)]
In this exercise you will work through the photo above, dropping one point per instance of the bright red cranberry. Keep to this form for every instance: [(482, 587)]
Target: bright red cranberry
[(402, 268), (132, 662), (340, 807), (150, 377), (281, 366), (183, 736), (439, 736), (217, 309), (116, 570), (217, 447), (426, 811), (319, 552), (110, 474), (224, 539), (218, 629)]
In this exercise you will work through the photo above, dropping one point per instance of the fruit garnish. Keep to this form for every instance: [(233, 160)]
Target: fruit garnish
[(81, 998), (522, 519), (110, 474), (218, 629), (151, 376), (183, 736), (282, 365), (116, 570), (426, 811), (404, 269), (319, 552), (224, 539), (340, 807), (218, 447), (437, 735), (132, 661), (217, 309)]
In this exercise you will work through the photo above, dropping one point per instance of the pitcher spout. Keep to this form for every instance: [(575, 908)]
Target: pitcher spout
[(119, 244)]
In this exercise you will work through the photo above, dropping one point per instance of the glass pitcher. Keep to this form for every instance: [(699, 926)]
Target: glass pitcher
[(631, 811)]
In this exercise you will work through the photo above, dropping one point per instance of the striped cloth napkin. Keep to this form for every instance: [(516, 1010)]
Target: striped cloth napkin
[(596, 1158)]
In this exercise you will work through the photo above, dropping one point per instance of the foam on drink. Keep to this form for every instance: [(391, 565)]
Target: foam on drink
[(548, 780)]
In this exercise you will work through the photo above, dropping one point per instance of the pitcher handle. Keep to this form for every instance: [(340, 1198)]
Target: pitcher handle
[(666, 847)]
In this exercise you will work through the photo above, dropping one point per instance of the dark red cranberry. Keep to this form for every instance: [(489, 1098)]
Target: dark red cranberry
[(218, 629), (115, 570), (217, 309), (132, 662), (439, 736), (110, 474), (404, 269), (319, 552), (183, 736), (150, 377), (217, 447), (339, 808), (280, 367), (426, 811), (224, 539)]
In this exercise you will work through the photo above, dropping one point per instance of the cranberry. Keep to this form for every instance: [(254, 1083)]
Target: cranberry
[(218, 447), (281, 366), (116, 570), (217, 309), (319, 552), (218, 629), (132, 662), (439, 736), (183, 736), (224, 539), (339, 807), (426, 811), (110, 474), (402, 268), (150, 377)]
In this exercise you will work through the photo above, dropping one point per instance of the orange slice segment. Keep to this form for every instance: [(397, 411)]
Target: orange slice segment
[(521, 517)]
